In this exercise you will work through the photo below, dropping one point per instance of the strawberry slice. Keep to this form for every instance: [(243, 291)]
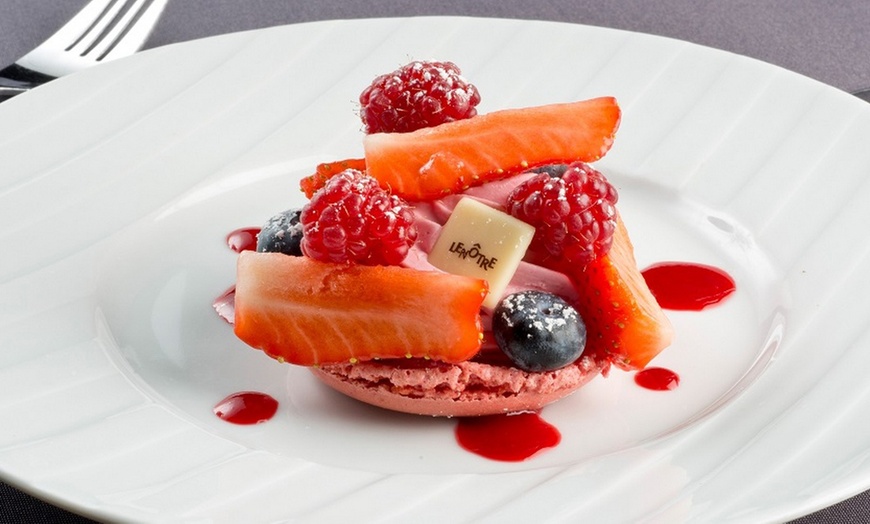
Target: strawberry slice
[(451, 157), (623, 320), (310, 184), (307, 312)]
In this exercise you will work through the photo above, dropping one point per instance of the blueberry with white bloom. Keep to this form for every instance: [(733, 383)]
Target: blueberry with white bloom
[(281, 234), (538, 331)]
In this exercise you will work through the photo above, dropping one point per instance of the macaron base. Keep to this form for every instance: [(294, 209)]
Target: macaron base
[(456, 390)]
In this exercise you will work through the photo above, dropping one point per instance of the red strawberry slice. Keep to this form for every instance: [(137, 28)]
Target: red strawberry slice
[(623, 320), (307, 312), (434, 161), (325, 171)]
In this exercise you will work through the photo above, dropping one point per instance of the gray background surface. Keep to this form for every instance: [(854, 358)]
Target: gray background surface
[(824, 39)]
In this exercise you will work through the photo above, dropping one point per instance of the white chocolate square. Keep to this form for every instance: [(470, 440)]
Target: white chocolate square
[(482, 242)]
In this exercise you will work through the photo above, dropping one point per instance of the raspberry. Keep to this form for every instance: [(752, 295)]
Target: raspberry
[(353, 220), (417, 95), (574, 216)]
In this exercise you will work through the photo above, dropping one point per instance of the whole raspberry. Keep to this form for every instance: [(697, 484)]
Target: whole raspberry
[(353, 220), (420, 94), (574, 215)]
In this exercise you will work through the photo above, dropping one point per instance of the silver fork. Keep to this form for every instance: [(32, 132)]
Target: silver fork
[(103, 30)]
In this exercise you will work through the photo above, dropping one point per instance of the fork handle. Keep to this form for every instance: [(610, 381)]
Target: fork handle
[(15, 79)]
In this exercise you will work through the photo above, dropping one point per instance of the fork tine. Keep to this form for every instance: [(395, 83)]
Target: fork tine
[(101, 31), (131, 32), (92, 33), (79, 24), (119, 30)]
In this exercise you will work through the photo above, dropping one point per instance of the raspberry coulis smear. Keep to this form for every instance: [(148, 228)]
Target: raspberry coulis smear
[(508, 438), (243, 239), (657, 379), (246, 408), (687, 286)]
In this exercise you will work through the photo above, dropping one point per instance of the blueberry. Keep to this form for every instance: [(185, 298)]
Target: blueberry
[(281, 234), (554, 170), (538, 331)]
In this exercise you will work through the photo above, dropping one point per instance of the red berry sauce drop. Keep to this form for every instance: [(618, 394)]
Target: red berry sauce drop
[(225, 305), (509, 438), (657, 379), (246, 407), (244, 239), (687, 286)]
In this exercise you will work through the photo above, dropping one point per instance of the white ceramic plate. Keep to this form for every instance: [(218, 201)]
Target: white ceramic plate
[(119, 184)]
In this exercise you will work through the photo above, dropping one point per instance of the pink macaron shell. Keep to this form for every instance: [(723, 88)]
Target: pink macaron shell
[(456, 390)]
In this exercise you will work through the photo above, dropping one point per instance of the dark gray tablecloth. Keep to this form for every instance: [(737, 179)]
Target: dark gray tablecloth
[(826, 40)]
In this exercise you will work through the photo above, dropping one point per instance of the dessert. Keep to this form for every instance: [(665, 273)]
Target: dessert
[(468, 265)]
